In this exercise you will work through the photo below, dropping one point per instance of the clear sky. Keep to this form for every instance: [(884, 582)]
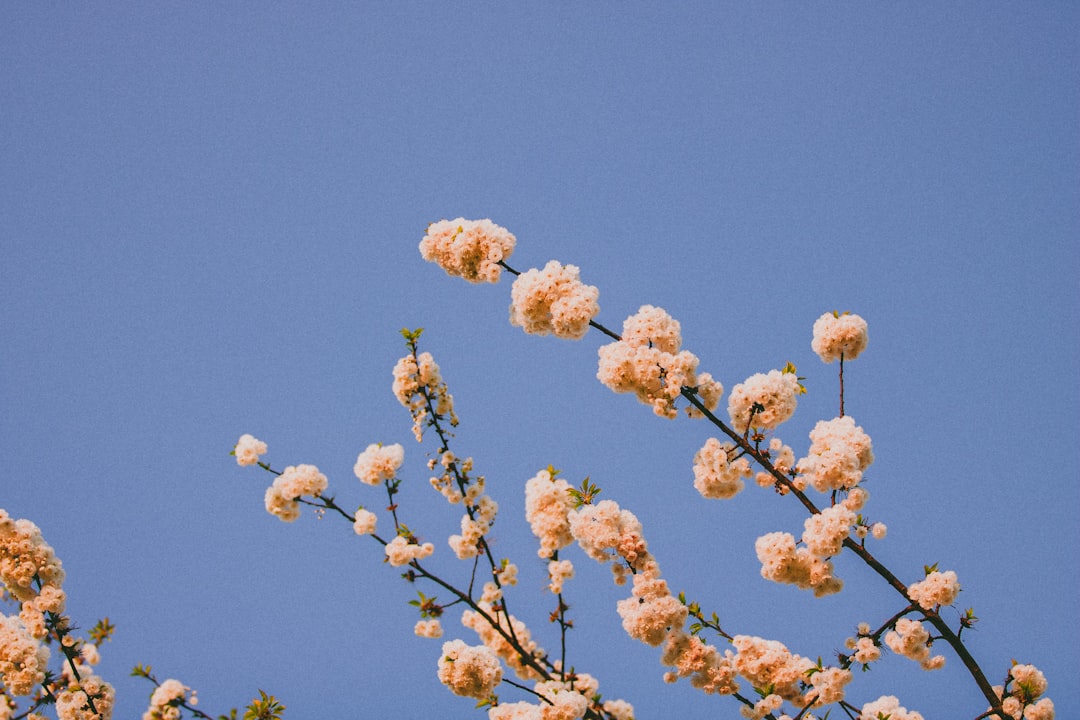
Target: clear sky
[(209, 215)]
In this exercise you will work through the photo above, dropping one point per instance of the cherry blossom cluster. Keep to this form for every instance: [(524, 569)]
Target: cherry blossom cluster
[(30, 572), (475, 524), (719, 468), (647, 361), (553, 301), (493, 631), (469, 670), (864, 649), (470, 249), (547, 506), (404, 550), (292, 483), (248, 449), (430, 628), (911, 639), (73, 702), (783, 562), (1021, 695), (652, 615), (938, 588), (559, 571), (564, 700), (763, 400), (32, 575), (165, 700), (768, 663), (840, 452), (887, 706), (379, 463), (839, 336), (418, 385), (23, 658)]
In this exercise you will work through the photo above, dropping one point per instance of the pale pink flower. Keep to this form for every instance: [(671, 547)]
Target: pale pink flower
[(719, 470), (708, 670), (553, 301), (515, 711), (840, 452), (770, 663), (938, 588), (837, 335), (470, 249), (911, 639), (548, 502), (23, 660), (248, 449), (379, 463), (293, 482), (428, 628), (763, 400), (824, 532), (472, 671), (653, 368), (887, 706), (164, 699), (498, 644), (400, 551), (559, 571), (364, 522)]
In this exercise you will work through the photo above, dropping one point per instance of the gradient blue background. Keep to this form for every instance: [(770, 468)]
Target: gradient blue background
[(209, 216)]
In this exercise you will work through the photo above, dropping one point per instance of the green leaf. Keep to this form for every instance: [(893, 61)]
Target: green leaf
[(266, 707)]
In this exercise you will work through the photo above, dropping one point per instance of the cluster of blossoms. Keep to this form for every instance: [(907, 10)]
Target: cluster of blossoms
[(23, 659), (32, 575), (379, 463), (647, 362), (652, 615), (553, 301), (807, 567), (430, 628), (783, 461), (364, 522), (495, 636), (72, 703), (402, 550), (840, 452), (167, 697), (469, 670), (475, 524), (768, 663), (547, 506), (719, 469), (912, 640), (563, 700), (295, 481), (248, 449), (763, 400), (839, 336), (30, 572), (447, 482), (689, 657), (938, 588), (470, 249), (559, 571), (418, 385), (1020, 696), (863, 648), (887, 706)]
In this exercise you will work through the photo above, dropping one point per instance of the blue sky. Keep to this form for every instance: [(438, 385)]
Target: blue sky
[(208, 225)]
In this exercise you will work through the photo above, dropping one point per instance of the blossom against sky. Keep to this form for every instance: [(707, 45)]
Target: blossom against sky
[(209, 225)]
